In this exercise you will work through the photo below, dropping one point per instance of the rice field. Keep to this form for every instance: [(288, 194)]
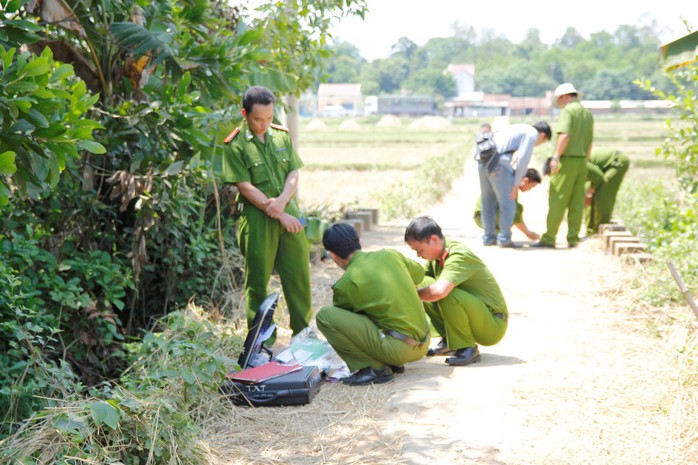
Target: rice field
[(351, 164)]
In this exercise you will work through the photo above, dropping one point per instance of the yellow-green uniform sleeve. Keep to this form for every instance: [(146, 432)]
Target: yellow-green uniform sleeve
[(233, 168), (415, 269), (594, 175), (342, 292), (456, 269)]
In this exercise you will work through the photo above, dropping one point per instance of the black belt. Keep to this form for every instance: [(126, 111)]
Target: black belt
[(406, 339), (501, 316)]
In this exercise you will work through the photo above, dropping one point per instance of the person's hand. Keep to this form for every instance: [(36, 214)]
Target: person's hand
[(588, 197), (512, 194), (274, 207), (554, 165), (290, 223), (533, 236)]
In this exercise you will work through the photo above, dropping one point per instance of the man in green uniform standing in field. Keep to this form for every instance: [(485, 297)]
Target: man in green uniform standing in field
[(575, 132), (459, 293), (606, 170), (376, 322), (260, 160)]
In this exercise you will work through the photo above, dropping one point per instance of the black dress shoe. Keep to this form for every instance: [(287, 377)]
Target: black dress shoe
[(368, 375), (464, 356), (440, 349), (397, 369), (543, 245)]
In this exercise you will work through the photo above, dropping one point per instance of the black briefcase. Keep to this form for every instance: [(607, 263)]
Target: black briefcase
[(296, 388)]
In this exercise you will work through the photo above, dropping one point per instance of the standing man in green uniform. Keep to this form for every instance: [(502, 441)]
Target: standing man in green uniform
[(575, 132), (260, 160), (606, 169), (460, 295), (376, 322)]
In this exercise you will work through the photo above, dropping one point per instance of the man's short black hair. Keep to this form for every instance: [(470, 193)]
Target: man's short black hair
[(533, 175), (341, 239), (257, 94), (543, 127), (421, 229)]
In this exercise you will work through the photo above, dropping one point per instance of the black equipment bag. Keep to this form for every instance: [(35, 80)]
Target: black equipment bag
[(486, 149), (296, 388)]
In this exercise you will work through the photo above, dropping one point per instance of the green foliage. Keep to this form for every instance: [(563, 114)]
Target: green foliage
[(152, 415), (42, 122), (665, 218), (406, 198), (28, 336), (666, 215), (681, 147), (603, 65)]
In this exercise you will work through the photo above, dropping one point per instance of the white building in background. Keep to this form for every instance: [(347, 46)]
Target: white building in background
[(464, 75), (339, 100)]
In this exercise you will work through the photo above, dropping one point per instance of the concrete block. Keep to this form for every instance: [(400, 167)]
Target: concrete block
[(607, 227), (358, 224), (628, 247), (614, 241), (366, 217), (609, 234), (375, 213), (636, 258)]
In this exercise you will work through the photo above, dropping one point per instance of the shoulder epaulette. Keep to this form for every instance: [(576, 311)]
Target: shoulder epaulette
[(279, 127), (232, 135)]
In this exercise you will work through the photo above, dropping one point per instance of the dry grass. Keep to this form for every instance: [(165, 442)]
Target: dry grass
[(340, 426)]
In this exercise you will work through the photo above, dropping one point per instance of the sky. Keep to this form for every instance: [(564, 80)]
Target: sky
[(388, 20)]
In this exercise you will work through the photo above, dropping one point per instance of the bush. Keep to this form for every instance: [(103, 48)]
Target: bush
[(404, 199), (152, 416)]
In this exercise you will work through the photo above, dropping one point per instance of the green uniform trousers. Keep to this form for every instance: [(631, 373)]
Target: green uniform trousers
[(464, 319), (360, 343), (266, 246), (566, 194), (604, 199)]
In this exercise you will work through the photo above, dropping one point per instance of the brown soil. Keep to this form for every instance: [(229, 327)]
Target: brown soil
[(578, 379)]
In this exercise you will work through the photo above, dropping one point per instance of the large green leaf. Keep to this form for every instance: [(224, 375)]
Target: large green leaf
[(92, 146), (7, 163), (142, 41), (104, 412)]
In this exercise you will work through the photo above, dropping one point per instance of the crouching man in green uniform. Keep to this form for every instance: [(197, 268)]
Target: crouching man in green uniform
[(605, 171), (260, 160), (460, 295), (376, 323)]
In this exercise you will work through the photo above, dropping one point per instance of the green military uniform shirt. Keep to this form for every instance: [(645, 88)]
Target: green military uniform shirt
[(264, 164), (578, 123), (601, 159), (382, 285), (466, 271)]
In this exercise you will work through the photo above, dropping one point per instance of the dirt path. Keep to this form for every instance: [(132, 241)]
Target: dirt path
[(574, 381), (578, 379)]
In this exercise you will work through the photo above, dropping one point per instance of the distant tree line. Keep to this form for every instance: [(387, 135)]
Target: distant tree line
[(604, 66)]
